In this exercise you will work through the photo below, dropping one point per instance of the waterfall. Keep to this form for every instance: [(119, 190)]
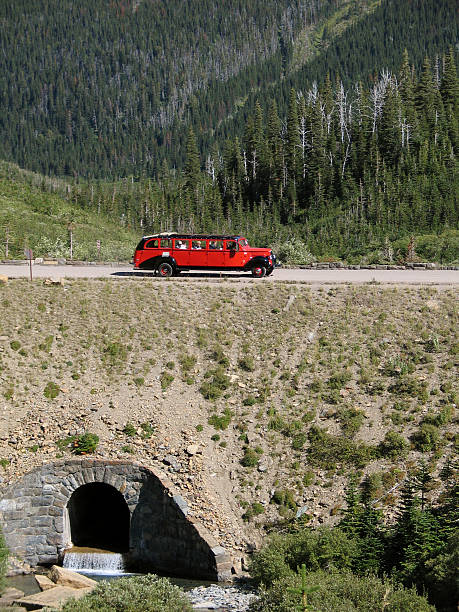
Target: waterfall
[(94, 563)]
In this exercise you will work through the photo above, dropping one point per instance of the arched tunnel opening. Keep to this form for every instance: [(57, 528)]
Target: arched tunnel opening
[(99, 517)]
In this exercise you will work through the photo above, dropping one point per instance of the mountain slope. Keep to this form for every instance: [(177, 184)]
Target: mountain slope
[(107, 89)]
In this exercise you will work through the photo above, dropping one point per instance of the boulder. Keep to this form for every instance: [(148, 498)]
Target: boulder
[(65, 577), (52, 598), (9, 595), (3, 279), (44, 582)]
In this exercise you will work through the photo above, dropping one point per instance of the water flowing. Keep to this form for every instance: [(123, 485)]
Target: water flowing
[(94, 562)]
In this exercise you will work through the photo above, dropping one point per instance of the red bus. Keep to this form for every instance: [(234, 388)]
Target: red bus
[(169, 254)]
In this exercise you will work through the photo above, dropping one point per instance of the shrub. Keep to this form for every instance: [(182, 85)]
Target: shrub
[(114, 352), (426, 438), (15, 345), (351, 420), (339, 380), (298, 441), (213, 389), (255, 509), (187, 362), (51, 390), (326, 450), (321, 548), (139, 381), (330, 591), (221, 421), (393, 446), (147, 430), (293, 251), (284, 497), (166, 380), (247, 363), (129, 429), (406, 385), (219, 356), (251, 456), (80, 445), (147, 593)]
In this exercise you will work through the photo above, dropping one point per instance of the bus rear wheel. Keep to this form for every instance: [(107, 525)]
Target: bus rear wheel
[(165, 270)]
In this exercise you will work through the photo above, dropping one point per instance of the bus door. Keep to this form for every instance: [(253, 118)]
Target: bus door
[(182, 252), (232, 256), (198, 254), (215, 254)]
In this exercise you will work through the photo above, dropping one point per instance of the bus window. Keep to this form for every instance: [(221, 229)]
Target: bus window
[(181, 244), (231, 245), (198, 244), (166, 243), (243, 242), (152, 244), (216, 245)]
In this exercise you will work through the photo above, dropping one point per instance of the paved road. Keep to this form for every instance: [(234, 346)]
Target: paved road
[(399, 277)]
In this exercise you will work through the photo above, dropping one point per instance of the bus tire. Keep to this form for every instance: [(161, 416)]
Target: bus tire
[(165, 270), (258, 271)]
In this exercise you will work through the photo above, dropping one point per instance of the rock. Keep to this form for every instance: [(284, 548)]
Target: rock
[(10, 595), (193, 449), (172, 461), (65, 577), (3, 279), (44, 582), (52, 598), (301, 511)]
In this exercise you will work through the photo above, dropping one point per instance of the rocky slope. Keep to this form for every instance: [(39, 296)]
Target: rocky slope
[(230, 388)]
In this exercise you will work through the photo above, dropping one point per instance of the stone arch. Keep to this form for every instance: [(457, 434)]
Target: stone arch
[(37, 525), (98, 517)]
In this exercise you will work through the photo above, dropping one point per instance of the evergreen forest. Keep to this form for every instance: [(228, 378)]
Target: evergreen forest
[(327, 129), (361, 562)]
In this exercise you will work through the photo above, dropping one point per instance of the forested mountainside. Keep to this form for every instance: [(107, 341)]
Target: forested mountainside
[(108, 88), (350, 172)]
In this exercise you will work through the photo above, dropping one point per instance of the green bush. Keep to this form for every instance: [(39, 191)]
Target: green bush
[(146, 593), (322, 548), (114, 353), (221, 421), (51, 390), (251, 456), (351, 420), (80, 445), (284, 497), (393, 446), (333, 591), (339, 380), (166, 379), (247, 363), (213, 389), (426, 438), (255, 509), (293, 251), (326, 450), (129, 429)]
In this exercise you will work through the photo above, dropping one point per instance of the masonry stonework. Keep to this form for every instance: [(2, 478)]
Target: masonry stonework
[(35, 519)]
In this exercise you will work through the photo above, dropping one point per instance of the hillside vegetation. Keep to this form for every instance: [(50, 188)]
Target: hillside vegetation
[(108, 89), (287, 390), (38, 213)]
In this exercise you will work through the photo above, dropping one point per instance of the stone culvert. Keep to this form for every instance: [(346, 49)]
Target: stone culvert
[(117, 505)]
